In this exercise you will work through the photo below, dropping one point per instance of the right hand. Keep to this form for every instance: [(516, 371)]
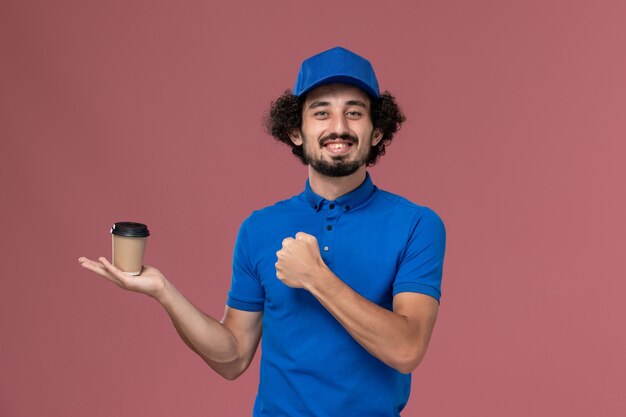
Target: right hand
[(151, 281)]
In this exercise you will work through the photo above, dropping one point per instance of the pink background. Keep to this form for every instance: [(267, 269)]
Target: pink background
[(150, 111)]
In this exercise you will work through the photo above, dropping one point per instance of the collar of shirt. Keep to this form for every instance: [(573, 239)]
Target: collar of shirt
[(348, 201)]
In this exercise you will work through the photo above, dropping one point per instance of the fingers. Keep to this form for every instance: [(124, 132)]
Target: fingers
[(289, 244), (93, 266), (305, 237), (301, 236), (84, 261), (105, 269), (279, 272), (288, 241), (108, 265)]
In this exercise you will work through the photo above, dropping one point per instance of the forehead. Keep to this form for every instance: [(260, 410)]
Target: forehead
[(336, 94)]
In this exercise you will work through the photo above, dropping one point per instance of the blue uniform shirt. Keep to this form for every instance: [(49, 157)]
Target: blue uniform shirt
[(378, 243)]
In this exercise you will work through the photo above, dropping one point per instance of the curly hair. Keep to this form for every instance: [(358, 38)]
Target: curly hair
[(285, 116)]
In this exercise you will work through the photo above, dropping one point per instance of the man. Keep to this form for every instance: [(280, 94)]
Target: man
[(343, 279)]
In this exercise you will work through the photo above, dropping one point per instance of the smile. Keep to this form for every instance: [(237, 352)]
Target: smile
[(340, 145)]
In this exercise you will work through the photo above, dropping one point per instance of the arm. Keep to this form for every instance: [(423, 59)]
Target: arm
[(399, 338), (227, 346)]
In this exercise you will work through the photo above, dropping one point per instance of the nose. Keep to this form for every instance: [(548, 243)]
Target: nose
[(340, 125)]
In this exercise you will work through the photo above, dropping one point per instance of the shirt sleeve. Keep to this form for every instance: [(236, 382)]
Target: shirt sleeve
[(246, 292), (421, 267)]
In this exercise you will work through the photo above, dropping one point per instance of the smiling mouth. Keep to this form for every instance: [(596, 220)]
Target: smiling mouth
[(337, 145), (338, 148)]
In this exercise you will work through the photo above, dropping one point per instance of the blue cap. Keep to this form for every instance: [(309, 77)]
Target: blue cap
[(337, 65)]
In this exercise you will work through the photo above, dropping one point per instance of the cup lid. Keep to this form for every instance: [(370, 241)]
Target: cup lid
[(130, 229)]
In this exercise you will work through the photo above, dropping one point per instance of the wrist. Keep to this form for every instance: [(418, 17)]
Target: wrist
[(322, 278), (165, 294)]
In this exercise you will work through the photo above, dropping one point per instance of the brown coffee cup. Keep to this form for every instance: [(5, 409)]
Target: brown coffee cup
[(129, 246)]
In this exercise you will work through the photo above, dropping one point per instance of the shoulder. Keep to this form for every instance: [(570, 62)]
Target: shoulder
[(404, 206), (274, 213)]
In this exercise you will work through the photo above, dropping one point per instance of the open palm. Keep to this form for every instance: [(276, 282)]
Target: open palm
[(151, 281)]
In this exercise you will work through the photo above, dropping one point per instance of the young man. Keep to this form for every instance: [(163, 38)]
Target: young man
[(343, 280)]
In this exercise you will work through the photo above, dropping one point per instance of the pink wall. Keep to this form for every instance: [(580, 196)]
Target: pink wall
[(150, 111)]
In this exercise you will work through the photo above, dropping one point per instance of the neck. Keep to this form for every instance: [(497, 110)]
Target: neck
[(331, 188)]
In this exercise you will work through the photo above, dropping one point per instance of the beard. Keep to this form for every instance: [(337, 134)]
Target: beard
[(337, 166), (334, 168)]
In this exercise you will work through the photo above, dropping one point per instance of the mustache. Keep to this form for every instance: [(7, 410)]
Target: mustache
[(334, 136)]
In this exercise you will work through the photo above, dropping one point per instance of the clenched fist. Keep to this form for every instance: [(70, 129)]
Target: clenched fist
[(299, 261)]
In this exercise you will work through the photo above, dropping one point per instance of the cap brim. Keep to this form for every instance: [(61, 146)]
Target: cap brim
[(341, 79)]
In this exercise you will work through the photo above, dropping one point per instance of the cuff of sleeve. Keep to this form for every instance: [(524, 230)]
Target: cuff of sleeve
[(415, 287), (243, 305)]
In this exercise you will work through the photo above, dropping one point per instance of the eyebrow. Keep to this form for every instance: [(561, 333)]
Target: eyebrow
[(316, 104)]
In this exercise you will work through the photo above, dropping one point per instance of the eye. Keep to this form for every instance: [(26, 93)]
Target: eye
[(354, 114), (320, 114)]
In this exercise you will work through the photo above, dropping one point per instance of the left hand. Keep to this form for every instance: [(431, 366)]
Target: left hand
[(299, 260)]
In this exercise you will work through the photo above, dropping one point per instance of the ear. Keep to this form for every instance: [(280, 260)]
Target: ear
[(295, 137), (376, 136)]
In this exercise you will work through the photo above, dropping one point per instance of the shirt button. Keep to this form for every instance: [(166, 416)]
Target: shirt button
[(329, 228), (332, 206), (347, 208), (326, 248)]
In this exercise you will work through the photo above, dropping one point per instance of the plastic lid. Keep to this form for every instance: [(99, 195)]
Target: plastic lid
[(130, 229)]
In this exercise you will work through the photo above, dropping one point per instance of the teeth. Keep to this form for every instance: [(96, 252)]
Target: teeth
[(337, 145)]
